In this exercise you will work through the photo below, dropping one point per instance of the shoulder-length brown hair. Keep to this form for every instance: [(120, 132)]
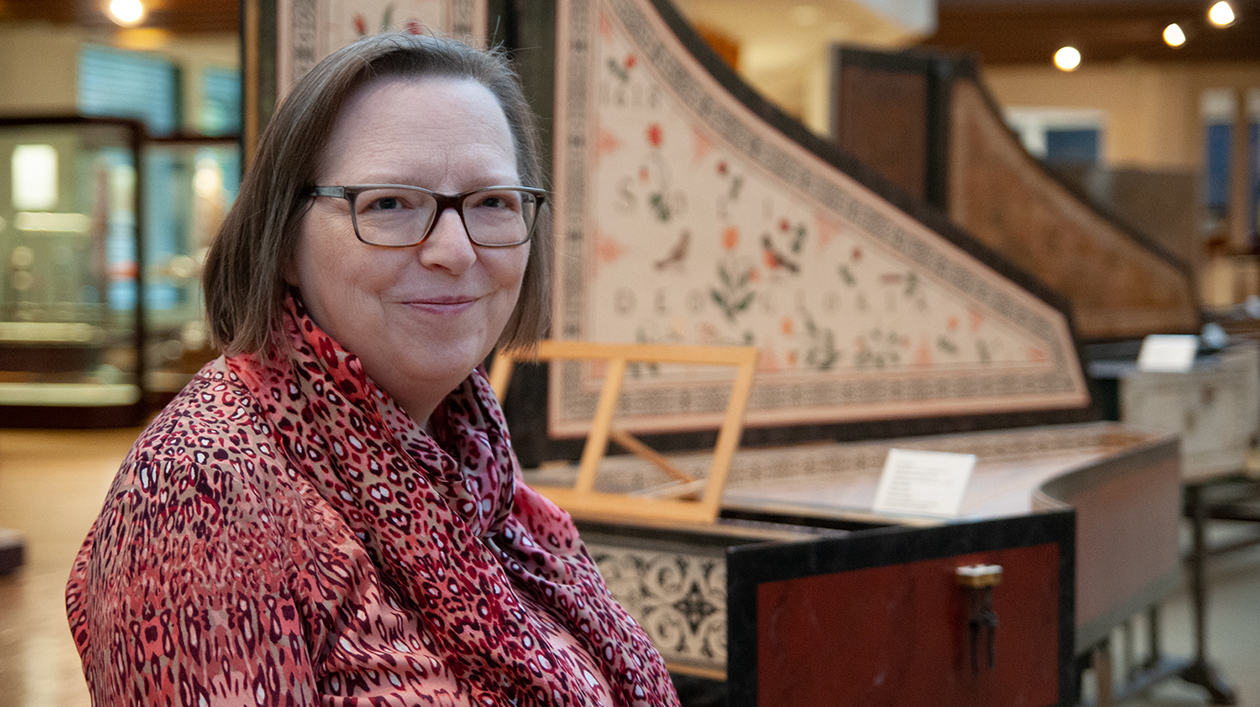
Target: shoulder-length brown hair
[(244, 272)]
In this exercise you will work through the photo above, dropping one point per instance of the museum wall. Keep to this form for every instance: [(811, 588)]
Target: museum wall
[(39, 69), (1152, 110), (40, 64)]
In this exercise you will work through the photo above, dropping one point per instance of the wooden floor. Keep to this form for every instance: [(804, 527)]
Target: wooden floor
[(1233, 626), (52, 484), (51, 488)]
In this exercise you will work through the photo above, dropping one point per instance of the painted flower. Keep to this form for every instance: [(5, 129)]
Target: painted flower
[(923, 356), (786, 325), (606, 143), (608, 250), (655, 135), (857, 253), (766, 362), (975, 318), (631, 61), (730, 237), (722, 168)]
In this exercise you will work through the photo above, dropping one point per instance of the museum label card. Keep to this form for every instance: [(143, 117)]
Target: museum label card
[(923, 483), (1165, 353)]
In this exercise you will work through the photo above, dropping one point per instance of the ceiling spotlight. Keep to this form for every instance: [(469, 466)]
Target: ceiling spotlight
[(1221, 14), (1174, 36), (1067, 59), (126, 12)]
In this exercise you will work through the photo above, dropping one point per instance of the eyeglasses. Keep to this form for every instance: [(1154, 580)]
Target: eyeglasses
[(399, 216)]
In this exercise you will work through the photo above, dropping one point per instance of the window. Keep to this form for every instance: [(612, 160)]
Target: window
[(221, 102), (1218, 108), (1078, 145), (1060, 135), (126, 84)]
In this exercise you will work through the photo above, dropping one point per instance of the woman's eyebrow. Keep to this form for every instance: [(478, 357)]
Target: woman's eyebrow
[(470, 184)]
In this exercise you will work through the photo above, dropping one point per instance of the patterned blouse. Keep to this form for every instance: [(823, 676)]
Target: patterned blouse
[(283, 534)]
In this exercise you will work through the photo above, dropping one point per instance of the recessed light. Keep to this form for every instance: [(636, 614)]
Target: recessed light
[(126, 12), (1067, 58), (1174, 36), (1221, 14)]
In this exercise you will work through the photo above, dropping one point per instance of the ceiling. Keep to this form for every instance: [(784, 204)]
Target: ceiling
[(185, 17), (1000, 31), (1030, 31)]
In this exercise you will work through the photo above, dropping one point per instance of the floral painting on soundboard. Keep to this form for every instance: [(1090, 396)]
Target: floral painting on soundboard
[(685, 218), (309, 30)]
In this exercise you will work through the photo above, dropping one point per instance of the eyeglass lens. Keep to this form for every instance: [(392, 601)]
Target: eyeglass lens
[(396, 216)]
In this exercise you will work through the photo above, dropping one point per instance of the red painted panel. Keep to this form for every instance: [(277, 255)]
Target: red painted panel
[(897, 636)]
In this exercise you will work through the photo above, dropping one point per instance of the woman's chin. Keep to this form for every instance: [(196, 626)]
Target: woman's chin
[(427, 378)]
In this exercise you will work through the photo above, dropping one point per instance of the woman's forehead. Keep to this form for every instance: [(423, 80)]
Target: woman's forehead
[(428, 124), (425, 101)]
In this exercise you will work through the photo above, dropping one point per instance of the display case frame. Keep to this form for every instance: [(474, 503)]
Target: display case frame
[(64, 408)]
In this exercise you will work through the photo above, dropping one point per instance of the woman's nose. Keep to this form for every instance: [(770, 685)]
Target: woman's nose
[(448, 246)]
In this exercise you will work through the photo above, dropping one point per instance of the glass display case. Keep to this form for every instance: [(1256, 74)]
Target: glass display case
[(189, 185), (102, 236), (70, 217)]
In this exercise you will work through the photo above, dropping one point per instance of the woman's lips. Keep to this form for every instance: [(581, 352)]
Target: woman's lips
[(443, 305)]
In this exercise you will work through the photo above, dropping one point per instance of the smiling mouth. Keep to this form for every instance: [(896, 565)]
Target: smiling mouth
[(454, 299), (449, 304)]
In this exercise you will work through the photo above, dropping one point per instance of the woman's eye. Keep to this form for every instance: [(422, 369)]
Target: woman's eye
[(385, 203), (498, 201)]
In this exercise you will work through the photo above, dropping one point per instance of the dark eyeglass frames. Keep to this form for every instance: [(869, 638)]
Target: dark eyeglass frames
[(399, 216)]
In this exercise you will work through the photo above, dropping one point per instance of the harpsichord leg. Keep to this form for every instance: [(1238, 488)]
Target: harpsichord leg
[(1202, 672)]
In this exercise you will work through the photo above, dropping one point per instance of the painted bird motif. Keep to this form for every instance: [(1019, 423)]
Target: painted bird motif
[(677, 254), (776, 259)]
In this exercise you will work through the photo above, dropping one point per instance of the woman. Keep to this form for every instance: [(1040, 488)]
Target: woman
[(331, 513)]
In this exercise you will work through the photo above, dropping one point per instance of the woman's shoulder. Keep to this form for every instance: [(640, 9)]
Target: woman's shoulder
[(199, 515), (211, 439), (208, 467), (214, 418)]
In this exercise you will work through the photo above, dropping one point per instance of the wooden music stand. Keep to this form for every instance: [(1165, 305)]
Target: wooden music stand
[(582, 500)]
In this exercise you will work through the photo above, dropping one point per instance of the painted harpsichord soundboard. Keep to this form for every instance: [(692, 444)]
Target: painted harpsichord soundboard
[(684, 216)]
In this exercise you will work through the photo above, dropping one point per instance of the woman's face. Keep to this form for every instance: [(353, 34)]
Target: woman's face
[(420, 318)]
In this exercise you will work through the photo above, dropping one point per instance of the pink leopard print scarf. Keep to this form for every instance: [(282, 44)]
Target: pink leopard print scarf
[(461, 538)]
